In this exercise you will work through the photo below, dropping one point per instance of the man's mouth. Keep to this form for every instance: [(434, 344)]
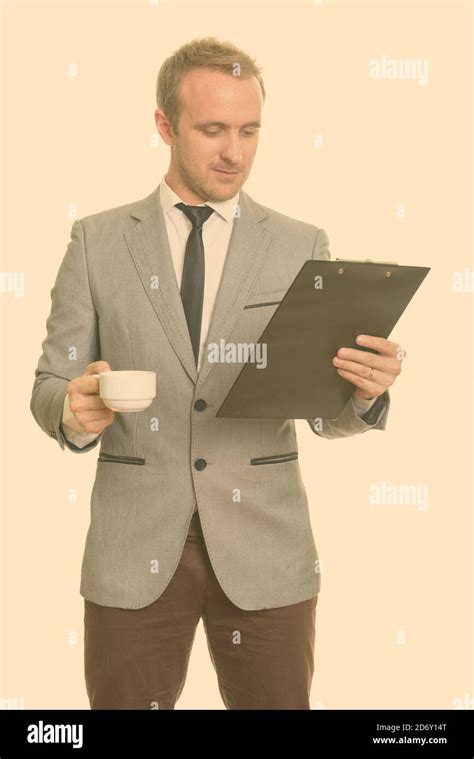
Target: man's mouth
[(226, 171)]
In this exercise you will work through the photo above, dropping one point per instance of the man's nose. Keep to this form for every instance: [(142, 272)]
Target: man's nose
[(232, 150)]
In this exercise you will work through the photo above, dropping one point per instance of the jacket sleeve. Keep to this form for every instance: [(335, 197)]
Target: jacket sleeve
[(71, 343), (348, 422)]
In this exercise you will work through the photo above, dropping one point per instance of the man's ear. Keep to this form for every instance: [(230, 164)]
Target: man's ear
[(163, 125)]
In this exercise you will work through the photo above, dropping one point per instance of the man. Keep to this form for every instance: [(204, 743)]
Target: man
[(193, 516)]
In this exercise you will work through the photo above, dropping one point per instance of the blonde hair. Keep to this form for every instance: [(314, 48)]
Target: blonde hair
[(203, 52)]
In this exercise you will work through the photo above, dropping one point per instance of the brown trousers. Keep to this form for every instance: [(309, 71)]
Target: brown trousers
[(138, 658)]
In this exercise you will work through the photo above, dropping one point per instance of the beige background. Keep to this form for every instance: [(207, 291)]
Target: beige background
[(394, 619)]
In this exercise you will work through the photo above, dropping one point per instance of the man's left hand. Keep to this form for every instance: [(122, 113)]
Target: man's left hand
[(372, 374)]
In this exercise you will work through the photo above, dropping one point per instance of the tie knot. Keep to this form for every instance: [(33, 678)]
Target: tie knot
[(197, 215)]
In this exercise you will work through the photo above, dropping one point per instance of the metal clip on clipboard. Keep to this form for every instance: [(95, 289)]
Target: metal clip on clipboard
[(366, 261)]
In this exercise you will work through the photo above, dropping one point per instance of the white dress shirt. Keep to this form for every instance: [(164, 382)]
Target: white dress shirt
[(216, 233)]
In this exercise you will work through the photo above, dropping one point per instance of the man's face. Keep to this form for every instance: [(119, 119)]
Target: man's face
[(218, 125)]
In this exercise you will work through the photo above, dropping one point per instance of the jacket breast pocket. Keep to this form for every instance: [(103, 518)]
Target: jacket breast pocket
[(262, 303), (112, 458), (255, 316)]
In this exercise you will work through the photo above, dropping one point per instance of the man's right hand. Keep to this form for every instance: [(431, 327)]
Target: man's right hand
[(85, 402)]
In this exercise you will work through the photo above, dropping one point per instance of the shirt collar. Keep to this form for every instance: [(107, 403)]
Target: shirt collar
[(168, 198)]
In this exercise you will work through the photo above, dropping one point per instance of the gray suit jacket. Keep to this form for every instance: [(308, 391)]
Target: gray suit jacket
[(154, 466)]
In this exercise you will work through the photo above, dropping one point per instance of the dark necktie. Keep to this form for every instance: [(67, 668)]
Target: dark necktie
[(192, 282)]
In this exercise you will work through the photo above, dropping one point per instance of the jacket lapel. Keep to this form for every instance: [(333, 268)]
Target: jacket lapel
[(249, 243), (150, 250), (148, 244)]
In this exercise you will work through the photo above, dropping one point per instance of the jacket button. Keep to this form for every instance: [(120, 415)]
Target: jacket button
[(200, 464), (200, 404)]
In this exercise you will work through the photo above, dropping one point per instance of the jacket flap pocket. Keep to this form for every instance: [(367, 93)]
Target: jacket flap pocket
[(119, 459), (277, 458)]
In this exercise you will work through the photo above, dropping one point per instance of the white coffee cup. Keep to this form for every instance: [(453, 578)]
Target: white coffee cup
[(127, 390)]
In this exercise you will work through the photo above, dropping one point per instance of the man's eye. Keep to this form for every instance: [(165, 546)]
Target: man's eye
[(246, 132)]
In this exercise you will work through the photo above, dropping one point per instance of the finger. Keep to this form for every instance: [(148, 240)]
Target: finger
[(83, 385), (94, 415), (380, 344), (95, 426), (383, 378), (96, 367), (362, 360), (85, 402), (371, 387)]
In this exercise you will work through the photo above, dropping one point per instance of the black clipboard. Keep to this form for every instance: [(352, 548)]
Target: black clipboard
[(328, 304)]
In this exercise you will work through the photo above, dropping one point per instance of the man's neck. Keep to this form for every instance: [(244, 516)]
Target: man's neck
[(183, 192)]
